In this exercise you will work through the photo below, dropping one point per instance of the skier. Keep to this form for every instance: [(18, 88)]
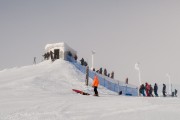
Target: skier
[(155, 90), (164, 90), (95, 85), (150, 91), (175, 93), (147, 88), (141, 90)]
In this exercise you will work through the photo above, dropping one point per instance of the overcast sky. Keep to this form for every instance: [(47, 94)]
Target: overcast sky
[(122, 32)]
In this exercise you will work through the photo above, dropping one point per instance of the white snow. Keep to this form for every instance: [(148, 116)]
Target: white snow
[(44, 92), (62, 46)]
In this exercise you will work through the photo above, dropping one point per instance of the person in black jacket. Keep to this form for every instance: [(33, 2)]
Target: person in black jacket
[(175, 93), (164, 90), (151, 91), (155, 90), (82, 61), (112, 75), (142, 89), (51, 54), (105, 72), (100, 70)]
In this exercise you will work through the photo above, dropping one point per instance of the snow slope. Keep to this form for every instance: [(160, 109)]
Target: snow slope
[(44, 92)]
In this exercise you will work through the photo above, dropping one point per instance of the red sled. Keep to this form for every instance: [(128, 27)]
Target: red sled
[(80, 92)]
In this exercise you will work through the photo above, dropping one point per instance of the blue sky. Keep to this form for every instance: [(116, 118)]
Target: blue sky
[(121, 32)]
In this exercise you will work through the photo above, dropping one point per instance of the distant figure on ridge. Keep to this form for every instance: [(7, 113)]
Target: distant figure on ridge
[(112, 75), (82, 61), (100, 70), (75, 57), (51, 54), (105, 72), (126, 81), (34, 60)]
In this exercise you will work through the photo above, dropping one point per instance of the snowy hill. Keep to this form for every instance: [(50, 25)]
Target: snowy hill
[(44, 92)]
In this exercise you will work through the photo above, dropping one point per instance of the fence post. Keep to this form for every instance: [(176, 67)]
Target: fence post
[(104, 82), (118, 87), (87, 76)]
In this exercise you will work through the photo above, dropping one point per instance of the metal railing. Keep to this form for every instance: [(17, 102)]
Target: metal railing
[(107, 82)]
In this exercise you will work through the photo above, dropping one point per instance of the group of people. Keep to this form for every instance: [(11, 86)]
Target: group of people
[(83, 62), (147, 90), (49, 55), (100, 71)]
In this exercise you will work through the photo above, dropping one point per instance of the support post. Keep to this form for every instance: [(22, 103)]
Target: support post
[(87, 76)]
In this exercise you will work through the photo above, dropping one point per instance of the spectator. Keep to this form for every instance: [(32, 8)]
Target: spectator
[(105, 72), (47, 55), (34, 60), (108, 75), (175, 93), (100, 70), (112, 75), (126, 80), (69, 53), (51, 54), (141, 90), (164, 90), (85, 63), (147, 88), (82, 61), (150, 91), (75, 57), (156, 90)]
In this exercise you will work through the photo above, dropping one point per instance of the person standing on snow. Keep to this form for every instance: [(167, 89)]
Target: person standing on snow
[(95, 85), (155, 90), (52, 57), (150, 91), (164, 90), (175, 93), (142, 89), (147, 88)]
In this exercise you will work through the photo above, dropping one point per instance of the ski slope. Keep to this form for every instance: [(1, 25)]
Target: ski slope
[(44, 92)]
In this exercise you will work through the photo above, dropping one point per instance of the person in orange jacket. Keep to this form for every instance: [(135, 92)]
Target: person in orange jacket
[(95, 85)]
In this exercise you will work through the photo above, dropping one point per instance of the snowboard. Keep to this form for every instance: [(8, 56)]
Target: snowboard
[(80, 92)]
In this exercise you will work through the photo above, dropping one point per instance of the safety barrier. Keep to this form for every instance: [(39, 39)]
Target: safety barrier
[(109, 83)]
